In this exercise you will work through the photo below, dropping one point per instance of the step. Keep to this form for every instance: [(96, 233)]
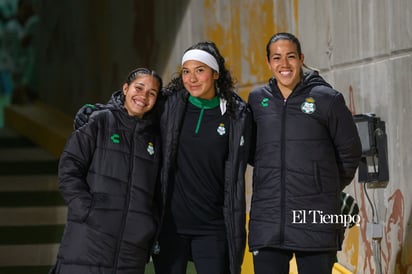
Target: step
[(28, 255), (44, 125), (32, 216), (28, 160), (10, 138), (28, 182), (25, 199), (22, 235)]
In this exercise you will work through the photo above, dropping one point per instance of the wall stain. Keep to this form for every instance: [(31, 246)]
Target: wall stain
[(241, 30)]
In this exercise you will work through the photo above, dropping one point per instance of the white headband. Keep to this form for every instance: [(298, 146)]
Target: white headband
[(201, 56)]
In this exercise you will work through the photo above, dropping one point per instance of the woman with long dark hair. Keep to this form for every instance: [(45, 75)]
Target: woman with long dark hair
[(205, 130)]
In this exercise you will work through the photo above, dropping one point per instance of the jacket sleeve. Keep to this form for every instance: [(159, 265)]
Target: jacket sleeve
[(346, 140), (73, 168)]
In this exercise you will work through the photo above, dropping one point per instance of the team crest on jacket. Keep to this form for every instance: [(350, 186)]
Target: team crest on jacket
[(308, 106), (150, 148), (221, 129)]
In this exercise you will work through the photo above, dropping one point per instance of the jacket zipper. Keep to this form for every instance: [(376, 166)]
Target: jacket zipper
[(180, 109), (282, 175), (126, 210), (232, 170)]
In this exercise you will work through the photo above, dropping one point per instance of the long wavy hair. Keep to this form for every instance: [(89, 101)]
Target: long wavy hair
[(224, 85)]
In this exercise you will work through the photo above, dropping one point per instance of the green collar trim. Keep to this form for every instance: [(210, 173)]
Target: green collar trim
[(203, 104)]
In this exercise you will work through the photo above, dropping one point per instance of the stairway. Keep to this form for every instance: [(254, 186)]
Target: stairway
[(32, 212)]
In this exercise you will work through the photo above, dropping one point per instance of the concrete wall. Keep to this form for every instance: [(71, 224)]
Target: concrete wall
[(364, 48), (87, 48)]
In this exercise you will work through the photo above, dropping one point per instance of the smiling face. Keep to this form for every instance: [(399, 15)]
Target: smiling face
[(140, 95), (199, 79), (286, 65)]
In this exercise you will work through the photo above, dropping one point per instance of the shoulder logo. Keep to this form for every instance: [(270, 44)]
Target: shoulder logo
[(308, 106), (221, 129), (265, 102), (150, 148), (115, 138)]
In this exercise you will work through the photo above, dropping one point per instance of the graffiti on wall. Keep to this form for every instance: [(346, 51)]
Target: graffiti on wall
[(357, 250)]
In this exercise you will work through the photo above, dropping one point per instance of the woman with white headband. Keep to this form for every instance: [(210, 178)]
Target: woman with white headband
[(205, 129)]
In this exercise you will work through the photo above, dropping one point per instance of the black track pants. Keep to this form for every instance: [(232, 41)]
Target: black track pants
[(276, 261), (209, 254)]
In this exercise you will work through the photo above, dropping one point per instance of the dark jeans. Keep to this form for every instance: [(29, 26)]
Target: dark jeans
[(208, 253), (276, 261)]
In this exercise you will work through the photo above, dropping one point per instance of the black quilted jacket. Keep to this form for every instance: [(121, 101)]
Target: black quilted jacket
[(107, 176), (234, 193), (307, 151)]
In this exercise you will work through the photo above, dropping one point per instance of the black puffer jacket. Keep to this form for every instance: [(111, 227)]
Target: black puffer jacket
[(107, 176), (307, 151), (239, 143)]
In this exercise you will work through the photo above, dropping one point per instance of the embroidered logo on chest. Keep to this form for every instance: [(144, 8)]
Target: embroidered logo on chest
[(115, 138), (308, 106), (150, 148), (221, 129), (265, 102)]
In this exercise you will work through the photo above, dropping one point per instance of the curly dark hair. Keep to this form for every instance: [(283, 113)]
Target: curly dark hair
[(225, 84)]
